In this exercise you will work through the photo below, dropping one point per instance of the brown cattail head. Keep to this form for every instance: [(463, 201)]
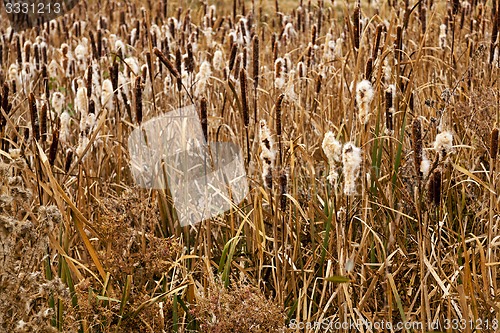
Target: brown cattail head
[(356, 25), (417, 145), (369, 69), (204, 117), (494, 144), (69, 159), (435, 187), (53, 146), (138, 100), (89, 82), (171, 68), (43, 123), (189, 62), (256, 65), (150, 67), (398, 43), (35, 125), (314, 31), (388, 110), (178, 66), (279, 104), (232, 58), (244, 96), (378, 36)]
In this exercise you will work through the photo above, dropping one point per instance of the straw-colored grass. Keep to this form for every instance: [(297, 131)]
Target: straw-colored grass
[(399, 224)]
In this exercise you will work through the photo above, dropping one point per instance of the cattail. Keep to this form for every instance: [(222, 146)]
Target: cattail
[(283, 188), (232, 58), (267, 155), (351, 160), (364, 96), (189, 62), (202, 78), (314, 34), (243, 86), (389, 109), (113, 70), (442, 36), (89, 82), (167, 63), (333, 151), (150, 67), (356, 25), (43, 122), (369, 68), (138, 100), (435, 187), (178, 66), (53, 146), (204, 117), (416, 135), (35, 126), (256, 65), (378, 35), (279, 73), (444, 143), (107, 94), (218, 60), (494, 142), (494, 34)]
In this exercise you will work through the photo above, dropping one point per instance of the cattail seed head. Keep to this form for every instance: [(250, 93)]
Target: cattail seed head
[(279, 104), (244, 97), (204, 117), (255, 59), (333, 151), (138, 99), (53, 146), (167, 63), (351, 160), (364, 96), (267, 155), (35, 125), (435, 187), (444, 143), (494, 143), (356, 25), (417, 146)]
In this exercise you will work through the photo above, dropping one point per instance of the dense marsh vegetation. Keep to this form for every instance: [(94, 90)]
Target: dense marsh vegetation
[(370, 137)]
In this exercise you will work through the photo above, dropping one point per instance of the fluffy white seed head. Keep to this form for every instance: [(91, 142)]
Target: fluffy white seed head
[(107, 94), (444, 143), (442, 36), (351, 160), (333, 151), (218, 60), (58, 102), (364, 96)]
